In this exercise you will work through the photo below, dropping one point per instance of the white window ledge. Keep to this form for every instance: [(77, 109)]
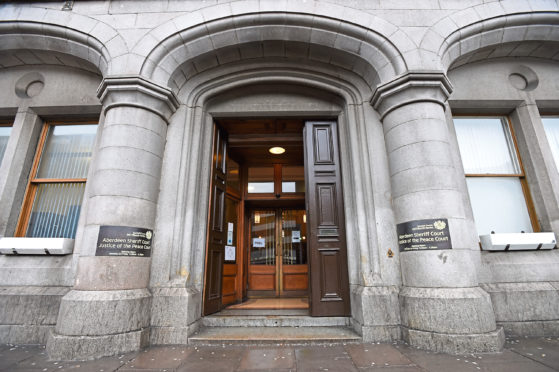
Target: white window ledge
[(518, 242), (45, 246)]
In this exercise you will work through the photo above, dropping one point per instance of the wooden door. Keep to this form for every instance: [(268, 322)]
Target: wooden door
[(278, 253), (326, 223), (217, 231)]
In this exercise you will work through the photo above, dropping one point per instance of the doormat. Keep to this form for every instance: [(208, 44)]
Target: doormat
[(272, 304)]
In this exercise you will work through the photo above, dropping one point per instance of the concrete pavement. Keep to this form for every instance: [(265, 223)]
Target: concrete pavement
[(520, 355)]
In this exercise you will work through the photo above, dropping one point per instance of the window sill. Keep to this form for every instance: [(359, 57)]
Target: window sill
[(518, 241), (36, 246)]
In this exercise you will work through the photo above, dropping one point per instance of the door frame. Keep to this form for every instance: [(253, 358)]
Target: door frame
[(335, 302)]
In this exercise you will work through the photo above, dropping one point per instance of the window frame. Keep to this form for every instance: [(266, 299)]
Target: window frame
[(510, 136), (278, 193), (33, 181)]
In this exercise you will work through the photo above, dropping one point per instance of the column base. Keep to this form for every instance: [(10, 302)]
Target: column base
[(375, 313), (93, 324), (489, 342), (61, 347), (175, 314)]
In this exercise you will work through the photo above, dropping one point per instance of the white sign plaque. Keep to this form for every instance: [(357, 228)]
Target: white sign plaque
[(230, 253), (295, 236), (259, 242)]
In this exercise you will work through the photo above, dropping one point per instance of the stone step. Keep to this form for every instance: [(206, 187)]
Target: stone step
[(272, 335), (274, 321)]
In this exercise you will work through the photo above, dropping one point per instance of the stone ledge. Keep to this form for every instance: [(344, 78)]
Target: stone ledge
[(24, 333), (538, 328), (490, 342), (383, 333), (61, 347)]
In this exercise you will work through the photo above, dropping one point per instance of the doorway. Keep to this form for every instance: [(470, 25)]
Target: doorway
[(286, 236), (278, 265)]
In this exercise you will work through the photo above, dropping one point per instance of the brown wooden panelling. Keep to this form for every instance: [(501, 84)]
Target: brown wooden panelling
[(326, 223), (217, 236), (295, 282), (262, 282)]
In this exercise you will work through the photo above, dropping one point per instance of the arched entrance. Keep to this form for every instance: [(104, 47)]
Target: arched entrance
[(294, 68)]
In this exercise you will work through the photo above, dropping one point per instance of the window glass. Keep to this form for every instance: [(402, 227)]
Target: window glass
[(498, 205), (551, 125), (292, 179), (4, 137), (486, 146), (67, 151), (260, 180), (56, 210), (233, 174), (498, 201), (57, 189)]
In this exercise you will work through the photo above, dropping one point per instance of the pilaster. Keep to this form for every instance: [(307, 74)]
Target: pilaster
[(108, 310), (441, 303)]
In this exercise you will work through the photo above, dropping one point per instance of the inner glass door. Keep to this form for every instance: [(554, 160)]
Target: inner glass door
[(278, 253)]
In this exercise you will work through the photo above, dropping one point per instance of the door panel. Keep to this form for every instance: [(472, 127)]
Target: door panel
[(278, 253), (327, 241), (217, 234)]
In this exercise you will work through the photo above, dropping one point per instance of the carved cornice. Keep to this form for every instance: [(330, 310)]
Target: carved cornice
[(411, 88), (135, 91)]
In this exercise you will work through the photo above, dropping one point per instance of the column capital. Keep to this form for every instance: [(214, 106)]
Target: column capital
[(414, 86), (136, 91)]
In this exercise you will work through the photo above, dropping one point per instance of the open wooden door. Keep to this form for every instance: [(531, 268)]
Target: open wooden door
[(217, 231), (326, 223)]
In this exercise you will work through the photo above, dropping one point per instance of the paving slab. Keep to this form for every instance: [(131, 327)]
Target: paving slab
[(544, 350), (520, 355)]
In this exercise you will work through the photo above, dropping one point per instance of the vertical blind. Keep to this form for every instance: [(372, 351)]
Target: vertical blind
[(486, 146), (498, 202), (4, 137), (551, 125), (66, 155)]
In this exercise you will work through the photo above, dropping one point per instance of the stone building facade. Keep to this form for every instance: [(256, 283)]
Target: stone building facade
[(390, 76)]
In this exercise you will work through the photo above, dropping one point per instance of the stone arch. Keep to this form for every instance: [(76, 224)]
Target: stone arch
[(359, 126), (493, 30), (367, 43), (62, 32)]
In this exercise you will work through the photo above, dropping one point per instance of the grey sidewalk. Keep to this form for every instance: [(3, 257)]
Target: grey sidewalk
[(521, 354)]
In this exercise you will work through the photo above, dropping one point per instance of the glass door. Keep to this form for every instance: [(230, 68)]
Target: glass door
[(277, 253)]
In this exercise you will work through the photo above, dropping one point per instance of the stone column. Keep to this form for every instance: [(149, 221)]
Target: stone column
[(441, 304), (107, 311)]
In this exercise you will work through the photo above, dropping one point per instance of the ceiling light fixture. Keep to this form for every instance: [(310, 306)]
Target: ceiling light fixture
[(276, 150)]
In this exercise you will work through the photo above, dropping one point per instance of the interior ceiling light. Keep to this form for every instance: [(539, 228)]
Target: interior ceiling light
[(276, 150)]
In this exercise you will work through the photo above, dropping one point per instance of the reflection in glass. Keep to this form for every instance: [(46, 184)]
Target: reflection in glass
[(4, 137), (56, 210), (67, 151), (233, 175), (293, 179), (486, 146), (551, 125), (262, 238), (498, 205), (260, 180), (294, 240)]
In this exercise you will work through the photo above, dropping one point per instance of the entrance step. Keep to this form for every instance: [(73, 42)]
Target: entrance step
[(273, 335), (303, 321)]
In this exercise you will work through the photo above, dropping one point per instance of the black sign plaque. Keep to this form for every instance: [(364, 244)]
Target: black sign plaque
[(124, 241), (424, 235)]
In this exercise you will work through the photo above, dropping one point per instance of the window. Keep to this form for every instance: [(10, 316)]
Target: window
[(54, 194), (551, 125), (4, 137), (494, 175)]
